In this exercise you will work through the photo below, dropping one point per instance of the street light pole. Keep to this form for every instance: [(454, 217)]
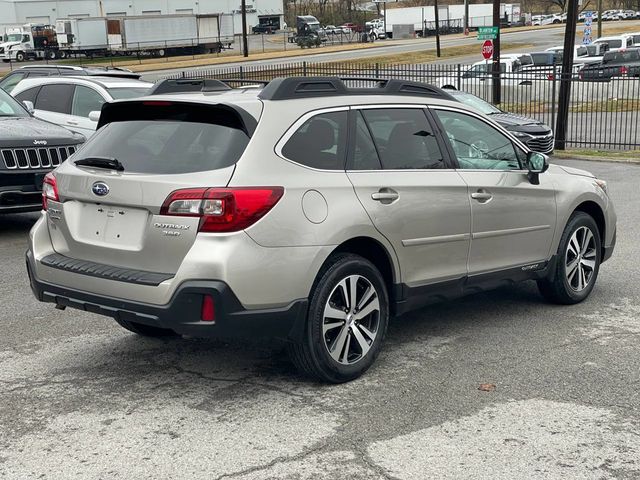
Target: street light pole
[(599, 18), (466, 16), (245, 43), (566, 75), (437, 28), (496, 92)]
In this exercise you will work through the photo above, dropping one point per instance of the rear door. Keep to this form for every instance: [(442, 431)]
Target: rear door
[(402, 176), (53, 104), (163, 147), (513, 221), (85, 100)]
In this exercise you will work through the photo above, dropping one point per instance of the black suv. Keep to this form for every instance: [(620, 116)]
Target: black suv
[(29, 148), (10, 80)]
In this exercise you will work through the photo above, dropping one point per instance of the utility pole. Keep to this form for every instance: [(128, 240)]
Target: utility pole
[(566, 75), (437, 28), (496, 55), (466, 17), (599, 18), (245, 43), (385, 18)]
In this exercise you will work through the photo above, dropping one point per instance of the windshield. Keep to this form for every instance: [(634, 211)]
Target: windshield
[(475, 102), (14, 37), (167, 146), (10, 107), (127, 92)]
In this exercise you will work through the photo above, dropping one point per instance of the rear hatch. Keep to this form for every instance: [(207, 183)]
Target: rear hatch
[(112, 190)]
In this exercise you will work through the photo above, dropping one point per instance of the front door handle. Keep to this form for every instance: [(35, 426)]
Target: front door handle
[(482, 196), (71, 122), (385, 195)]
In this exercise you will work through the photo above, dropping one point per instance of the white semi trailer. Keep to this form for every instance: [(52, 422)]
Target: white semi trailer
[(157, 35)]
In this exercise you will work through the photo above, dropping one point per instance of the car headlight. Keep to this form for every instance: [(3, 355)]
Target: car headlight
[(602, 185), (522, 135)]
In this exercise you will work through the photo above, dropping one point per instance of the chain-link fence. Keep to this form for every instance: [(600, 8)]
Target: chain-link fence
[(602, 114)]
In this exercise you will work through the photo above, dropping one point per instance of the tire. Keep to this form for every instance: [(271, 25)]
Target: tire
[(354, 340), (146, 330), (50, 55), (566, 285), (20, 57)]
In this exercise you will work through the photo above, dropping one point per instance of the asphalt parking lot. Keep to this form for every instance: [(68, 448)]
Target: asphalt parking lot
[(82, 398)]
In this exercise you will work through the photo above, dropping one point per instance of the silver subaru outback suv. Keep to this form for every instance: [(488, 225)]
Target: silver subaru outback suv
[(310, 210)]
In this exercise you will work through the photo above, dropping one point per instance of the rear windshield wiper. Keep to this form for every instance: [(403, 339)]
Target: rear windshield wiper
[(101, 162)]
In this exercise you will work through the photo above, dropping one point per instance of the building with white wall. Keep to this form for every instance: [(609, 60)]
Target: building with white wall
[(19, 12)]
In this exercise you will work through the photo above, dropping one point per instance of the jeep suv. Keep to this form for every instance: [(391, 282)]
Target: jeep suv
[(29, 149), (308, 210)]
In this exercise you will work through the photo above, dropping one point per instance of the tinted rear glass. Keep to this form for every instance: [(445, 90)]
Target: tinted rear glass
[(168, 146), (127, 92)]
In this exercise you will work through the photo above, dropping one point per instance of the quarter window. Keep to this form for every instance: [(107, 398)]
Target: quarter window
[(320, 142), (476, 144), (404, 139), (86, 100), (11, 81)]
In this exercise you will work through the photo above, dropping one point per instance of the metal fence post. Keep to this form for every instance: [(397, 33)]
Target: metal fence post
[(377, 70), (241, 73), (458, 80), (304, 69), (553, 99)]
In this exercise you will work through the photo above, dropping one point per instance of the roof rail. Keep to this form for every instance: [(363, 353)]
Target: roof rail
[(184, 85), (313, 87)]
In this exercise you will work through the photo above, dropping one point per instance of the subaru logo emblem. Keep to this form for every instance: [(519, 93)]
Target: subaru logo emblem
[(100, 189)]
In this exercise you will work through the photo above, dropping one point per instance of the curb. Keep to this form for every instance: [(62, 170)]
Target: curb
[(603, 158)]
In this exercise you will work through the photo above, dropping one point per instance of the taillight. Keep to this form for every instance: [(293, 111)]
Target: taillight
[(222, 209), (551, 76), (49, 190), (624, 70)]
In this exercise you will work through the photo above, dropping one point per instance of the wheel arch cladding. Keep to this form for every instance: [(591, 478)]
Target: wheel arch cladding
[(376, 253), (595, 211)]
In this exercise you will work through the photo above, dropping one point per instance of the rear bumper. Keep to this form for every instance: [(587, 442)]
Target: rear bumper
[(20, 199), (182, 313)]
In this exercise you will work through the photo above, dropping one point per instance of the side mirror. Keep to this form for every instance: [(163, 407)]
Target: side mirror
[(94, 116), (537, 163), (29, 106)]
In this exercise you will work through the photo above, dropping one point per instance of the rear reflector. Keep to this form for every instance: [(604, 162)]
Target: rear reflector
[(208, 313), (222, 209)]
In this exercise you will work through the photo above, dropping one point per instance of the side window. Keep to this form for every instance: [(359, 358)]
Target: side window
[(404, 139), (55, 98), (86, 100), (476, 144), (29, 95), (8, 83), (320, 142), (365, 155)]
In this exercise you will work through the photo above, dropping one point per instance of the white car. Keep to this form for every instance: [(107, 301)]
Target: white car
[(552, 19), (583, 54), (75, 102), (616, 43), (480, 73)]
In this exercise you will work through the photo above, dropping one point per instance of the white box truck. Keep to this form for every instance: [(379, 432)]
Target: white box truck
[(157, 35)]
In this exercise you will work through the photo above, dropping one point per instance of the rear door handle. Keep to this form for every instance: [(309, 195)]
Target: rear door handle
[(71, 122), (385, 195), (481, 196)]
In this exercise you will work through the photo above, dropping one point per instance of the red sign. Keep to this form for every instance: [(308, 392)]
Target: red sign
[(487, 49)]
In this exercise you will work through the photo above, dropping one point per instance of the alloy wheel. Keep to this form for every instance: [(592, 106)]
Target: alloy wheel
[(580, 259), (351, 319)]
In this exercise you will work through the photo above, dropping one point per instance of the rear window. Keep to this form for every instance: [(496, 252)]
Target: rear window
[(168, 146)]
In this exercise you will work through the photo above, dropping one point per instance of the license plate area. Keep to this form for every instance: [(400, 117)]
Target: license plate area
[(107, 225)]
